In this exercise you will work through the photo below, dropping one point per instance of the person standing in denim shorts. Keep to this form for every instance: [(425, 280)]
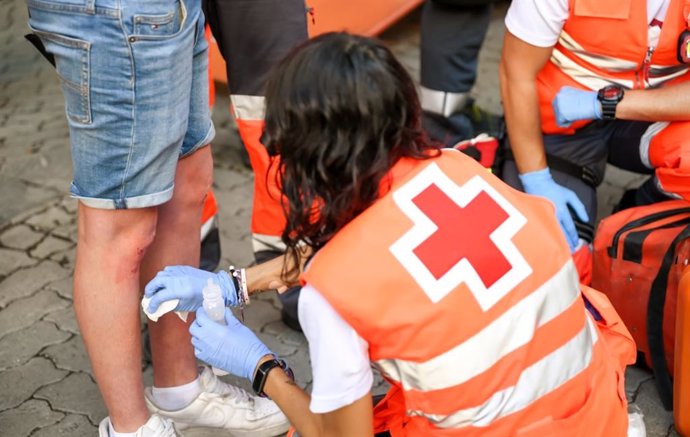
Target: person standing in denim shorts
[(134, 77)]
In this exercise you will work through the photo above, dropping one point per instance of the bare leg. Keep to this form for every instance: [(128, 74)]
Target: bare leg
[(111, 246), (177, 242)]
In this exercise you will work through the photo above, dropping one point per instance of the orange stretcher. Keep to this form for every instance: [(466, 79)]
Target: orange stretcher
[(681, 377), (364, 17)]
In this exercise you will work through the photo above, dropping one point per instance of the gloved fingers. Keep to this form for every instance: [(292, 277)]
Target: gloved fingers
[(230, 318), (196, 342), (158, 282), (569, 229), (158, 298), (577, 205), (561, 121), (228, 288), (171, 269), (202, 318)]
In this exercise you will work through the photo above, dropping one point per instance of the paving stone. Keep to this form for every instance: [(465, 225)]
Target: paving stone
[(70, 355), (276, 346), (64, 287), (18, 196), (226, 179), (259, 314), (71, 205), (66, 259), (20, 237), (72, 425), (64, 319), (19, 383), (49, 246), (634, 377), (656, 419), (25, 312), (19, 347), (75, 394), (32, 414), (11, 260), (286, 335), (27, 281), (301, 366), (66, 232), (51, 218)]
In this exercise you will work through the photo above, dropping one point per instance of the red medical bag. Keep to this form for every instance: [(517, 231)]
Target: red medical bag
[(639, 256)]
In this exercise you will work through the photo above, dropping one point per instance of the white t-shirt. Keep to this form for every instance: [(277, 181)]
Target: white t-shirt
[(339, 356), (539, 22)]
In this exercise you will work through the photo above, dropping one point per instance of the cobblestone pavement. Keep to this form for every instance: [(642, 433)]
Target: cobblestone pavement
[(46, 384)]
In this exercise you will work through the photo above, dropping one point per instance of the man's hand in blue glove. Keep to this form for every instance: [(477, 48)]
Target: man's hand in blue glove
[(232, 347), (572, 104), (186, 284), (540, 183)]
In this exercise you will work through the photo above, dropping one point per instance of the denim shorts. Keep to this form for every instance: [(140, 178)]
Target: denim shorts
[(135, 81)]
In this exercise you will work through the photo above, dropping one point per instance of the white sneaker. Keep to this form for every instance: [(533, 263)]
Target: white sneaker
[(155, 427), (225, 406)]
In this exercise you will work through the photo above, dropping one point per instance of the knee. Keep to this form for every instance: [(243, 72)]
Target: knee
[(192, 187), (121, 232)]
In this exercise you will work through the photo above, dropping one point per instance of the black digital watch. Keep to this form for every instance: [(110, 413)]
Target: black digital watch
[(262, 374), (609, 96)]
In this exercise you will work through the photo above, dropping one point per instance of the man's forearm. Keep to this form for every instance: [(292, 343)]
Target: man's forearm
[(669, 103), (521, 108)]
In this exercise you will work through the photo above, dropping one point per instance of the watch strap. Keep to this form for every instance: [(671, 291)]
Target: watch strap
[(608, 110), (262, 374)]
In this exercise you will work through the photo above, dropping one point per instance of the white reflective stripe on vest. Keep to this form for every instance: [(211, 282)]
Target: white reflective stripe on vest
[(646, 139), (602, 61), (510, 331), (248, 107), (660, 75), (535, 382), (584, 76)]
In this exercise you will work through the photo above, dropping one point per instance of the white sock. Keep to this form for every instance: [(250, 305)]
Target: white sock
[(114, 433), (176, 398)]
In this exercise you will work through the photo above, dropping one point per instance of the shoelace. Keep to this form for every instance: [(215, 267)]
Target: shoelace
[(169, 430)]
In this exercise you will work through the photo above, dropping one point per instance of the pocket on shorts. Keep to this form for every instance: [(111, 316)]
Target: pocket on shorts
[(72, 64), (160, 25)]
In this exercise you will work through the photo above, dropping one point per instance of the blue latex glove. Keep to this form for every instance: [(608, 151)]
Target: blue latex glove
[(232, 347), (186, 284), (572, 104), (540, 183)]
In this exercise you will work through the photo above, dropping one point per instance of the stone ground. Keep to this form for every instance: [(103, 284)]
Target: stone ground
[(46, 383)]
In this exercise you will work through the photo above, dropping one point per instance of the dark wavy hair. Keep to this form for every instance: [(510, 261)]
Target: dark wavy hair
[(340, 111)]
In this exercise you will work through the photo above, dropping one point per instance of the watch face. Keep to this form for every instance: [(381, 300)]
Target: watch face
[(611, 93)]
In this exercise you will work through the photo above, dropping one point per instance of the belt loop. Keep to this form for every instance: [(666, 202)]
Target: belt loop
[(91, 7)]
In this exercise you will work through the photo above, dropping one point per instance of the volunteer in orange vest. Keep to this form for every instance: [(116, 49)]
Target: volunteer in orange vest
[(458, 288), (586, 82)]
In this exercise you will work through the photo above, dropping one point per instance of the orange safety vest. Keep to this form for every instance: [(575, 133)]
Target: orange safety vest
[(604, 42), (469, 300)]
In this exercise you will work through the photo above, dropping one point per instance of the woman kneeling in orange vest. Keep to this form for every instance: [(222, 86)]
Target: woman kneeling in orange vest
[(460, 290)]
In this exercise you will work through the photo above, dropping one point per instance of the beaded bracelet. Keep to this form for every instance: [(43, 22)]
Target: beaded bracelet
[(239, 279)]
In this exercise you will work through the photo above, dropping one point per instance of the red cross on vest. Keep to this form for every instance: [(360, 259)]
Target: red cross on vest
[(461, 234)]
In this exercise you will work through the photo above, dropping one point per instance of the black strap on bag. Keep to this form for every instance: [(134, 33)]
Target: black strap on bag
[(655, 323), (642, 221), (632, 246)]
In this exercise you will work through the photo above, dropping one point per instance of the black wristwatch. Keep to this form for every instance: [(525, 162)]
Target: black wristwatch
[(609, 96), (262, 374)]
